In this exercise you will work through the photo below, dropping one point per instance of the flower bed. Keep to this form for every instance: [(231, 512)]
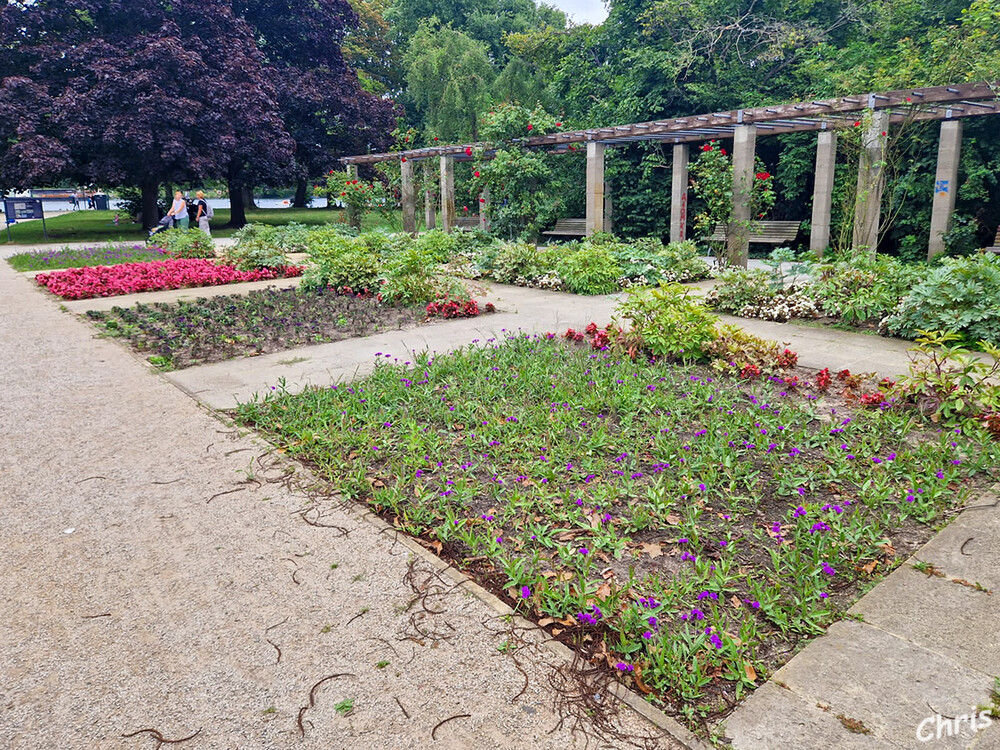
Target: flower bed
[(188, 333), (99, 255), (679, 529), (109, 281)]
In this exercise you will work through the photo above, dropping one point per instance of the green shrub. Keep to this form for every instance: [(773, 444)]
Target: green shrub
[(668, 322), (340, 261), (264, 246), (439, 245), (411, 276), (590, 268), (962, 296), (520, 262), (739, 288), (648, 261), (864, 288), (191, 243)]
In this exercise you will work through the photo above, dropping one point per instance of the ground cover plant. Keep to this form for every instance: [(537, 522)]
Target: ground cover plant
[(872, 292), (78, 257), (129, 278), (187, 333), (683, 529)]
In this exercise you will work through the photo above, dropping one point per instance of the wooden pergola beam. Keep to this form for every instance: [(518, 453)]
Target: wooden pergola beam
[(965, 100)]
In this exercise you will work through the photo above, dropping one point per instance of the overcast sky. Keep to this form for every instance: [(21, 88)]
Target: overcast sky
[(582, 11)]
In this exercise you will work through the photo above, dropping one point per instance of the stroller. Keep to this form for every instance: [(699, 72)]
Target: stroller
[(167, 222)]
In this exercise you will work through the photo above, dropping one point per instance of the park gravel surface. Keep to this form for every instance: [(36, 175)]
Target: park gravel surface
[(159, 575)]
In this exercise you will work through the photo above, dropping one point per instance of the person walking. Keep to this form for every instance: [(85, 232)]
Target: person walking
[(179, 211), (201, 215), (75, 200)]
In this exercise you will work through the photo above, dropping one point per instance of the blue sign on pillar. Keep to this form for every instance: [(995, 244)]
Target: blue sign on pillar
[(18, 209)]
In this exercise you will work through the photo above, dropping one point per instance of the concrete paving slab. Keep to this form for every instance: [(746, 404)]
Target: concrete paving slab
[(989, 738), (774, 718), (885, 682), (937, 614)]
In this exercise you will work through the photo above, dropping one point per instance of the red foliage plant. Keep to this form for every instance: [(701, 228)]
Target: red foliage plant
[(153, 276)]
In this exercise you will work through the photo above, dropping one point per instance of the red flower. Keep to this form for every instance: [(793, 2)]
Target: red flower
[(403, 159), (482, 200), (857, 124), (722, 151), (883, 132), (468, 150), (558, 124), (763, 175), (707, 147), (465, 208), (435, 138), (530, 126), (476, 173)]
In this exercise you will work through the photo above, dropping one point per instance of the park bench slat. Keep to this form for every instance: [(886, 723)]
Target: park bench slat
[(996, 244), (771, 232), (568, 228)]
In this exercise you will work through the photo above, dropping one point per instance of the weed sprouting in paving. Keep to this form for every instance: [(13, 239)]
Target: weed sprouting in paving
[(682, 529)]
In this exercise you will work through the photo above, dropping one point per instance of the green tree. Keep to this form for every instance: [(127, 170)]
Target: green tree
[(448, 78)]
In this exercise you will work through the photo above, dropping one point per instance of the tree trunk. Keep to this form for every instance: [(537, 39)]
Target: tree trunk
[(150, 211), (300, 194), (247, 197), (237, 209)]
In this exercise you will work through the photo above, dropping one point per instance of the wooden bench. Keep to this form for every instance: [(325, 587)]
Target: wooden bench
[(770, 232), (568, 228), (996, 245), (467, 222)]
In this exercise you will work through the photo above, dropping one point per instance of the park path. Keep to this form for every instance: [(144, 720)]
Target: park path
[(191, 586), (137, 594)]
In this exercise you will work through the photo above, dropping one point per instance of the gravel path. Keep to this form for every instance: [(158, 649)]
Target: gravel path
[(137, 595)]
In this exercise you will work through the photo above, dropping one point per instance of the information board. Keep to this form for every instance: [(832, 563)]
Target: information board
[(17, 209)]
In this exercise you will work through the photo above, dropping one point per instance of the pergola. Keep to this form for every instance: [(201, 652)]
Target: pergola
[(948, 104)]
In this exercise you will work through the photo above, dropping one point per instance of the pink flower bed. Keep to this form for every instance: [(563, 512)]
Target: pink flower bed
[(154, 276)]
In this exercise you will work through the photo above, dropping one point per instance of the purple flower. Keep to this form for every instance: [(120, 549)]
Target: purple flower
[(818, 526), (799, 512), (716, 641), (584, 551), (682, 540), (708, 595), (623, 667), (525, 592), (829, 570), (647, 635)]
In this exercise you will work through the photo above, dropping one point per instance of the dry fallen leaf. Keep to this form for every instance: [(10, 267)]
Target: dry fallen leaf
[(736, 601), (751, 672), (637, 676), (653, 550), (673, 520), (546, 621), (870, 567)]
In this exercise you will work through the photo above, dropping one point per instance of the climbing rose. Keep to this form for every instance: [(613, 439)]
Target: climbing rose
[(468, 150)]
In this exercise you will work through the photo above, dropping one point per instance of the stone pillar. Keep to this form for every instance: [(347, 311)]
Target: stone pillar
[(945, 184), (871, 183), (595, 188), (447, 193), (430, 209), (484, 210), (408, 196), (826, 162), (679, 193), (738, 237)]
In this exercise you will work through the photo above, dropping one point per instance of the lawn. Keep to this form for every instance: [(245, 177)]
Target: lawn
[(684, 530), (180, 335), (99, 226)]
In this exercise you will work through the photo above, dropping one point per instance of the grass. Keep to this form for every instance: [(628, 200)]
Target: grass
[(99, 226), (101, 255), (684, 531)]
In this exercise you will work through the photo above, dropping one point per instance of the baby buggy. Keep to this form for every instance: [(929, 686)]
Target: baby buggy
[(167, 222)]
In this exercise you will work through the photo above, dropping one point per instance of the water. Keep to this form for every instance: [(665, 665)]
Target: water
[(53, 206)]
